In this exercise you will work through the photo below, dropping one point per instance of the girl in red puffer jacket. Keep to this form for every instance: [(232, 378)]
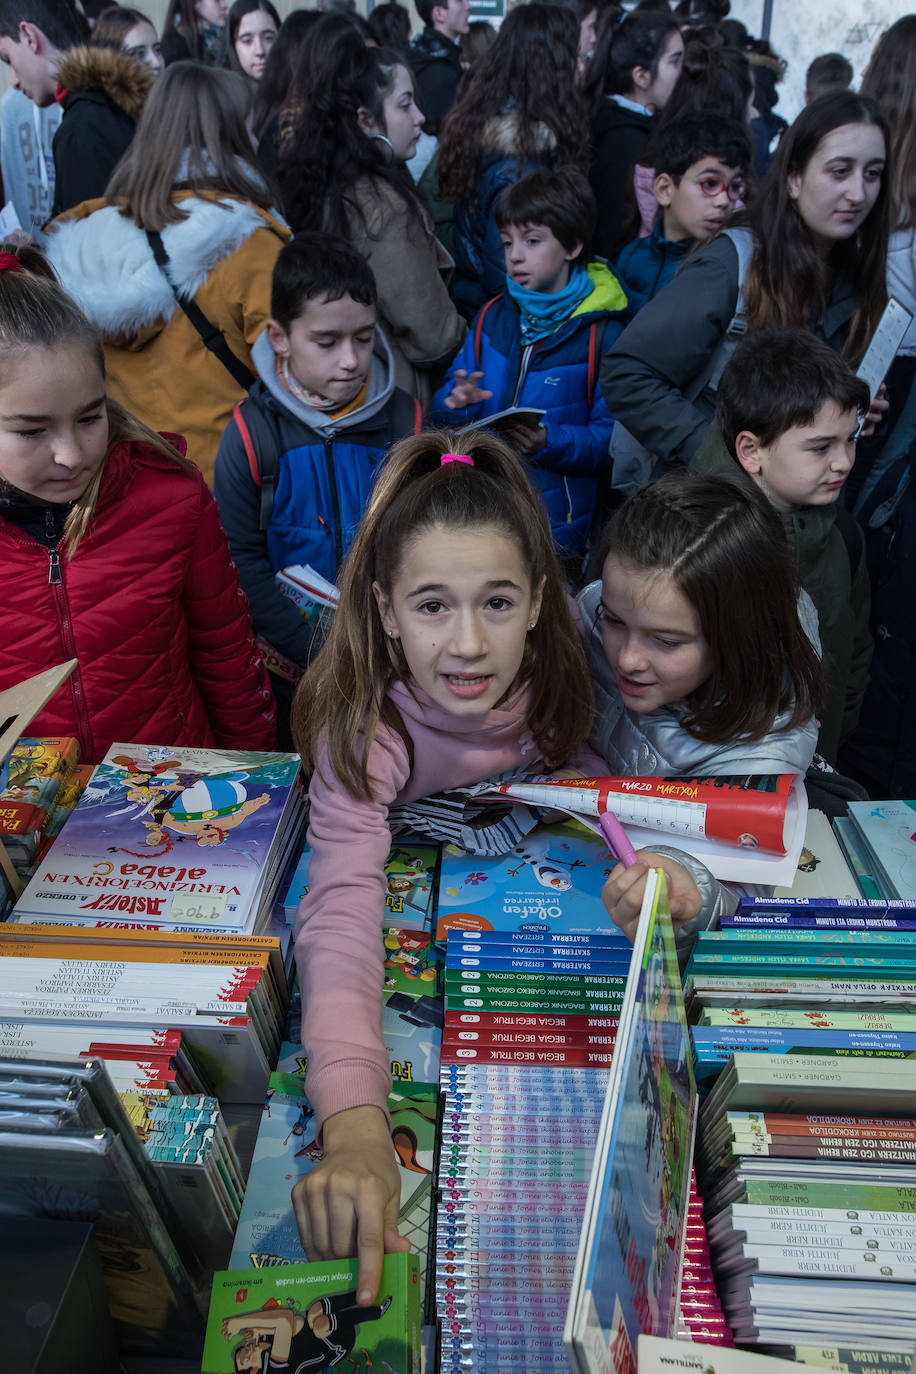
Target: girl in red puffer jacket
[(111, 550)]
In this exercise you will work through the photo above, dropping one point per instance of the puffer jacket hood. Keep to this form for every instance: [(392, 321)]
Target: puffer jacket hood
[(378, 394), (122, 79), (108, 266)]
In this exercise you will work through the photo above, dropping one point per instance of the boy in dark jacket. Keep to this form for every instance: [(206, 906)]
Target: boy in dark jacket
[(787, 413), (700, 164), (100, 91), (539, 345), (436, 58), (297, 461)]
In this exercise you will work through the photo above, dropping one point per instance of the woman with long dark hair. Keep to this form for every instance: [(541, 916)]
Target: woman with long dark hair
[(519, 110), (813, 254), (274, 86), (343, 171), (250, 33)]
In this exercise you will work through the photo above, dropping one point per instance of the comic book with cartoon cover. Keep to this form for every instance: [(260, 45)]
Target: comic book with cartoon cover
[(551, 880), (627, 1276), (305, 1316), (177, 838), (287, 1149), (410, 884)]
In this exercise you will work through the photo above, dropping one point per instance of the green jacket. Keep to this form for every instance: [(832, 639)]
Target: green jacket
[(837, 585)]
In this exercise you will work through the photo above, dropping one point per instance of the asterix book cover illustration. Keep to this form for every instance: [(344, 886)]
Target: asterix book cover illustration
[(186, 838), (305, 1317)]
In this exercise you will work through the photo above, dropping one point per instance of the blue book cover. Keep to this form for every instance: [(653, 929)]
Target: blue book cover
[(888, 830), (552, 881)]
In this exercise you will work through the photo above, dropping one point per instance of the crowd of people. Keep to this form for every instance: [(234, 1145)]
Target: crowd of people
[(540, 343)]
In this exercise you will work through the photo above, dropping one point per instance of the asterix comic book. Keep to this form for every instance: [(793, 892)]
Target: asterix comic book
[(179, 838)]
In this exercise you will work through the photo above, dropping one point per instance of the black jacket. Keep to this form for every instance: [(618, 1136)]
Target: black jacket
[(618, 138), (102, 95), (436, 63)]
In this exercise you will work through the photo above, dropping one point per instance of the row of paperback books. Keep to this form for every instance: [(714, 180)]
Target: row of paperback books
[(806, 1151)]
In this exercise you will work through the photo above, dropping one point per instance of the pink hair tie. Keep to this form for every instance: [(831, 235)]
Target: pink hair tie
[(457, 458), (9, 262)]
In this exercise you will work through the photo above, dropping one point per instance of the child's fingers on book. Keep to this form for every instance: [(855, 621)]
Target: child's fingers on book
[(311, 1212)]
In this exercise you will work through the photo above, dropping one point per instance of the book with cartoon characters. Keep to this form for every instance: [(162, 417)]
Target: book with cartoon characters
[(177, 838), (628, 1268), (410, 884), (551, 880), (287, 1149), (305, 1316)]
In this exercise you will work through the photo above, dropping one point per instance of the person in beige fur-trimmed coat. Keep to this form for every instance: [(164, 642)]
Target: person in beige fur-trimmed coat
[(186, 177)]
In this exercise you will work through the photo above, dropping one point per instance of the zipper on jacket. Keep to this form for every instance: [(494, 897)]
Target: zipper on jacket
[(335, 502), (56, 580), (523, 371)]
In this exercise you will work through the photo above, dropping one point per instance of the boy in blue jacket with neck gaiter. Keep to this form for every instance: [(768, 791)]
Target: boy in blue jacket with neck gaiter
[(539, 345)]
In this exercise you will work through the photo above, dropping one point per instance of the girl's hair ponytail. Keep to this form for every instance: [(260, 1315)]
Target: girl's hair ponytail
[(725, 549), (341, 697), (36, 312)]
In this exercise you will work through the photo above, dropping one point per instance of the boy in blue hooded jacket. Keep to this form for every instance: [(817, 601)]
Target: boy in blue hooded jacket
[(539, 345), (297, 460)]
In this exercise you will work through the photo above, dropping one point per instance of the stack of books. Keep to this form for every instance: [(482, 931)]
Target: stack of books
[(120, 992), (286, 1148), (534, 981), (806, 1153), (174, 839)]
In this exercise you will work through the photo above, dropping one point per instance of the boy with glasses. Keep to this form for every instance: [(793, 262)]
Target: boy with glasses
[(701, 162)]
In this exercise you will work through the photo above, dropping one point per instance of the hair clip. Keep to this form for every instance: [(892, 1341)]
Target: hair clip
[(9, 262), (456, 458)]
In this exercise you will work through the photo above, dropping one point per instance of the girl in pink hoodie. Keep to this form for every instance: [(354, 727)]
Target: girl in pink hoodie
[(453, 656)]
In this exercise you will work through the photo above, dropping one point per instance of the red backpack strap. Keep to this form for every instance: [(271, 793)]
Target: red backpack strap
[(417, 416), (253, 465), (595, 340), (591, 364), (478, 328)]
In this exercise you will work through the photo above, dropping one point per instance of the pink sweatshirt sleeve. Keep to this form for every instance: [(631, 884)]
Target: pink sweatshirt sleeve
[(338, 936)]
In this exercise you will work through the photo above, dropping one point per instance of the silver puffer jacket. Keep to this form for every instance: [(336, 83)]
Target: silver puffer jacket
[(655, 743)]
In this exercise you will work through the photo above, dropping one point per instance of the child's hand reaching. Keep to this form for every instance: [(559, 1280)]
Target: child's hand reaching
[(624, 889), (349, 1204), (466, 392)]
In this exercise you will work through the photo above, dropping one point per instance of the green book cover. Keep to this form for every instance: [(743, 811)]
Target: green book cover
[(879, 1197), (305, 1316)]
